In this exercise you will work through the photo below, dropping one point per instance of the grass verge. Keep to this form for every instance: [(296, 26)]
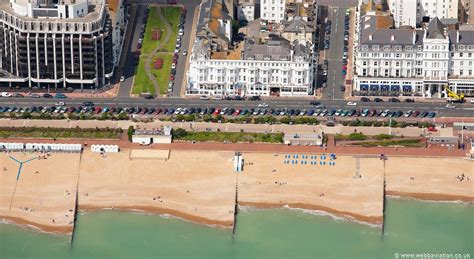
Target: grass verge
[(233, 137), (60, 133), (386, 143)]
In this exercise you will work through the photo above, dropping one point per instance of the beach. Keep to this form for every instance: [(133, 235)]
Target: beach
[(430, 178), (45, 194), (202, 187)]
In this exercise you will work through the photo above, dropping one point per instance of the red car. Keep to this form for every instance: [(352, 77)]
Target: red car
[(171, 77), (97, 109), (217, 111), (158, 111), (237, 112)]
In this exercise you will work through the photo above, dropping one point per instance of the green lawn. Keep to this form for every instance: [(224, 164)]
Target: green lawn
[(60, 133), (163, 75), (141, 83), (234, 137), (172, 15), (386, 143)]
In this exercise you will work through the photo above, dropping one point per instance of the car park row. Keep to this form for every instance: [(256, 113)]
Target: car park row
[(261, 110)]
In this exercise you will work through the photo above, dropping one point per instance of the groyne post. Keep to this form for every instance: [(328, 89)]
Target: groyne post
[(236, 206), (76, 205), (383, 199)]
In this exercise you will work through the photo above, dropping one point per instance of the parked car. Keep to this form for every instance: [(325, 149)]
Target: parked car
[(351, 103), (47, 96)]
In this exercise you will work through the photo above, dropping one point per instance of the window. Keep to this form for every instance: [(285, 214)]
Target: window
[(364, 72), (364, 63), (397, 72), (386, 72), (386, 63)]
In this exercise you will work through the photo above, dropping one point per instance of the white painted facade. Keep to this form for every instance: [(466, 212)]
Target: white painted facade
[(411, 12), (250, 77), (272, 10), (420, 70), (246, 10), (404, 12)]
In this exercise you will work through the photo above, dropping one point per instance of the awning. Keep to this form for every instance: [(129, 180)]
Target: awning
[(395, 88), (384, 88), (374, 88), (407, 88), (364, 87)]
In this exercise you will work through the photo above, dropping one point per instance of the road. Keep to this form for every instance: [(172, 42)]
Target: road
[(462, 111), (334, 55)]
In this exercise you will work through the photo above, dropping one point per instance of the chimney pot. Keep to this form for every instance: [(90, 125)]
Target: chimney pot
[(392, 38)]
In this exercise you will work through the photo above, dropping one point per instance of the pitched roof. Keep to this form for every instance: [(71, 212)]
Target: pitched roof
[(297, 25), (465, 37), (435, 29)]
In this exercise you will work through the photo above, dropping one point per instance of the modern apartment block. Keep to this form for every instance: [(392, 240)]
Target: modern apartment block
[(274, 59), (59, 44), (411, 12), (413, 62), (272, 10)]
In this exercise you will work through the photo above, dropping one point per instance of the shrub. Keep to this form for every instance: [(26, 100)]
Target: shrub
[(130, 132), (179, 133), (357, 136)]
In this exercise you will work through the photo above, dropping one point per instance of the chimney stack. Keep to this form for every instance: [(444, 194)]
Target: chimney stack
[(392, 38), (371, 37)]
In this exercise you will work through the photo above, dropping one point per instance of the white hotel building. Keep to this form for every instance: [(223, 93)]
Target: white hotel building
[(59, 44), (413, 62), (255, 67)]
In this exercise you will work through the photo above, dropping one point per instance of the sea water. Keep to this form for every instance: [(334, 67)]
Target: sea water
[(411, 227)]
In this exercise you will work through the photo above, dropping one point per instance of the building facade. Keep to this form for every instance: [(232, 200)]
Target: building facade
[(271, 59), (246, 10), (411, 12), (262, 70), (75, 43), (272, 10), (404, 12), (412, 62)]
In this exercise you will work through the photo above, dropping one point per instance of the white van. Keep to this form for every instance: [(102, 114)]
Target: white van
[(472, 101)]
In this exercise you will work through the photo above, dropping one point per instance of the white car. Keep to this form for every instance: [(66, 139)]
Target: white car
[(408, 113), (263, 105), (178, 111), (450, 106), (185, 52), (204, 97), (122, 78), (352, 103), (181, 32), (5, 94), (176, 51), (173, 66), (60, 104)]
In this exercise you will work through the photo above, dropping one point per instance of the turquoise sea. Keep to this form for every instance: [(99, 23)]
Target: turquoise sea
[(411, 227)]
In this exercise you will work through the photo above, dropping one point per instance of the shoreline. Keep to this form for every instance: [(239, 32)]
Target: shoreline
[(161, 211), (375, 221), (436, 197), (378, 221), (66, 230)]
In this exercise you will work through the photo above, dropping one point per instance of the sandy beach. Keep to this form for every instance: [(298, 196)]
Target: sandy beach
[(200, 186), (197, 186), (430, 178), (268, 182), (45, 192)]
